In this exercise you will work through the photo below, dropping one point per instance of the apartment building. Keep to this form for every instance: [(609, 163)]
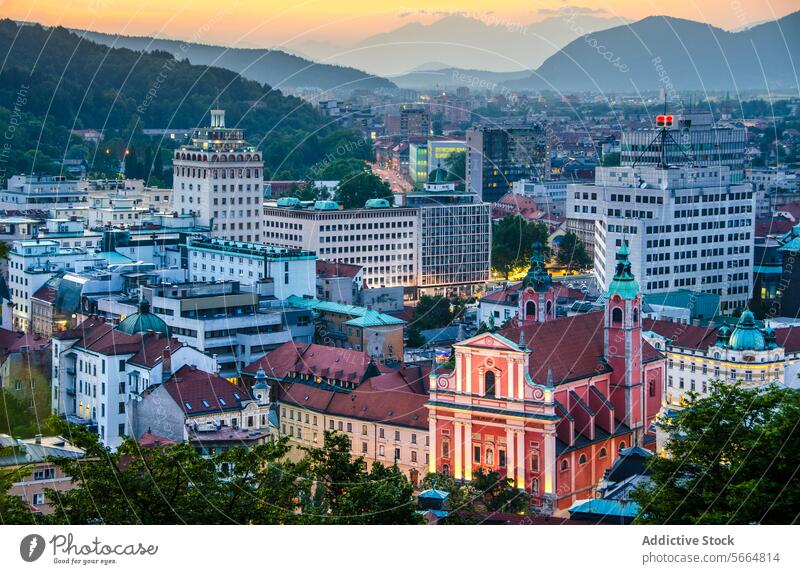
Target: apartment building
[(43, 192), (382, 410)]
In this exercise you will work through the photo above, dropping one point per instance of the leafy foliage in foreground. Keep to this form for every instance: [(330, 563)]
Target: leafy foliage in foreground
[(732, 459), (174, 484)]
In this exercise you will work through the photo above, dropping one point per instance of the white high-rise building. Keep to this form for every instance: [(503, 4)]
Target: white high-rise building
[(218, 179), (687, 227)]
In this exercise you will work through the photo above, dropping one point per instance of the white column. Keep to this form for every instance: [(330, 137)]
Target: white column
[(468, 387), (521, 379), (459, 370), (511, 461), (468, 451), (457, 471), (549, 463), (434, 441), (520, 459)]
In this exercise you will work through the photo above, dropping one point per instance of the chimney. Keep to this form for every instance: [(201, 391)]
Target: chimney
[(166, 365), (38, 439)]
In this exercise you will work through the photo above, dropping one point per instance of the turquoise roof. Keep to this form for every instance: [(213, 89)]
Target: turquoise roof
[(114, 258), (363, 317), (747, 336), (377, 204), (143, 321), (623, 284), (326, 205), (605, 507)]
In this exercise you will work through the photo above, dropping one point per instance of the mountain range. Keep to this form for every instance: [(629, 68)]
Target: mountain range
[(273, 67), (458, 41), (676, 54)]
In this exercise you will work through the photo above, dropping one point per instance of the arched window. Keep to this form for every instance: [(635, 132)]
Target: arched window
[(564, 466), (549, 308), (488, 383), (535, 486), (489, 457), (602, 454), (636, 316), (616, 316), (445, 448), (582, 459), (530, 310), (621, 445)]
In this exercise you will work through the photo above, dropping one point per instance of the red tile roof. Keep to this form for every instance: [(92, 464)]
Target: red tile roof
[(317, 360), (329, 269), (149, 439), (45, 293), (773, 226), (151, 352), (791, 208), (382, 394), (199, 392), (572, 347), (788, 338), (13, 341), (686, 336)]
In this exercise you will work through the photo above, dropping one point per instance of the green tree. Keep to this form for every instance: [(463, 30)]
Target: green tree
[(432, 311), (487, 492), (415, 338), (344, 492), (456, 166), (356, 188), (731, 459), (512, 241), (13, 509), (571, 253)]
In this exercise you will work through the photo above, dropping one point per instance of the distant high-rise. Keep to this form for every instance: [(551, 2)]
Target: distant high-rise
[(696, 140), (499, 156), (218, 178), (686, 227)]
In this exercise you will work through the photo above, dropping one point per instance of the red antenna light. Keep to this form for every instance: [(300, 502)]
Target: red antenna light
[(660, 121)]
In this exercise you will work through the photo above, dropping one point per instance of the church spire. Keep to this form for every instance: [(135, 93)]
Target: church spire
[(624, 283)]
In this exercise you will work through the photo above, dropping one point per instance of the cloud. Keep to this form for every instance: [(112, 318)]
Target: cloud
[(575, 10)]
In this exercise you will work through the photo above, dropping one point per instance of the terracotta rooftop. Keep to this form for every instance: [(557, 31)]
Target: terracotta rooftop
[(198, 392), (13, 341), (572, 347), (45, 293), (329, 269), (687, 336)]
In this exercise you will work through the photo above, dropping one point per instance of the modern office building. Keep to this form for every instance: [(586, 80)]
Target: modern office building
[(291, 270), (218, 178), (499, 156), (425, 157), (234, 323), (380, 238), (687, 227), (455, 238), (695, 139)]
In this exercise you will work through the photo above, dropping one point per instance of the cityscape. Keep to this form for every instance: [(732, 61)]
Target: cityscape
[(400, 265)]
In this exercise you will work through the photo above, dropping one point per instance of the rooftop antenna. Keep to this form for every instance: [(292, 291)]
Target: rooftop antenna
[(663, 122)]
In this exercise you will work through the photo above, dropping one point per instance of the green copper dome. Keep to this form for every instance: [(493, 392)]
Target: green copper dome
[(747, 336), (623, 283), (143, 321)]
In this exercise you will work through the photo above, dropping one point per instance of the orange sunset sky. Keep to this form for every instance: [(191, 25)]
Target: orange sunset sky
[(265, 23)]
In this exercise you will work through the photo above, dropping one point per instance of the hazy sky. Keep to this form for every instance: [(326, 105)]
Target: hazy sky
[(265, 23)]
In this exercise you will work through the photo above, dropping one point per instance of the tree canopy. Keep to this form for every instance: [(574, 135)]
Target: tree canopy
[(512, 241), (571, 253), (732, 459), (176, 484), (358, 186)]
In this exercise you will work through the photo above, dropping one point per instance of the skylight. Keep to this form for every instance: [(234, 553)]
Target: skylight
[(188, 406), (205, 404)]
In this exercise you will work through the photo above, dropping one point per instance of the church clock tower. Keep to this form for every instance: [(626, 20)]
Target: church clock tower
[(623, 342)]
